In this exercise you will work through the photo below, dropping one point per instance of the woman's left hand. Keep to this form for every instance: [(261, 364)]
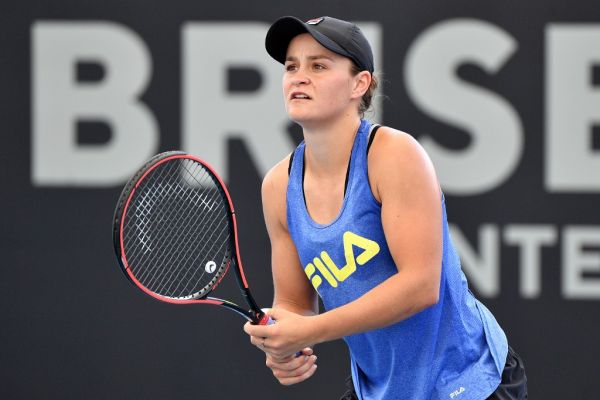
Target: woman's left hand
[(289, 334)]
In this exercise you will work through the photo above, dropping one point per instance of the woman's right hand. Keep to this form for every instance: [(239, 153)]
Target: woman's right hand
[(293, 369)]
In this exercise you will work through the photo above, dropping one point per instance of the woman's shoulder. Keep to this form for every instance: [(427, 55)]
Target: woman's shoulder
[(393, 145), (276, 179), (397, 157), (387, 136), (274, 196)]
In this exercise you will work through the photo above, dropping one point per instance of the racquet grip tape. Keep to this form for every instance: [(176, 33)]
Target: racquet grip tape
[(266, 320)]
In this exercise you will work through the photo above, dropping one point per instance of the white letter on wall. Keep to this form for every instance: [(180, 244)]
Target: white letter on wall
[(530, 239), (494, 126), (572, 107), (578, 261), (59, 102), (482, 270)]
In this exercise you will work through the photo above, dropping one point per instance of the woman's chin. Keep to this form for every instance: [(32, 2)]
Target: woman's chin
[(300, 117)]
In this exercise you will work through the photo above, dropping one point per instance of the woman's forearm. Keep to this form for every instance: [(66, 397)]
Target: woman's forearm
[(397, 298)]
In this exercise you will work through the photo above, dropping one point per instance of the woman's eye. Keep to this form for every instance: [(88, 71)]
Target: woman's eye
[(290, 67), (319, 66)]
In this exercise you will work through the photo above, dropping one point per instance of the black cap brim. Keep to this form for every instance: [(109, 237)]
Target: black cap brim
[(282, 32)]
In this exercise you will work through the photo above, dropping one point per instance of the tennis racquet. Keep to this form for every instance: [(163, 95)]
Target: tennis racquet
[(175, 234)]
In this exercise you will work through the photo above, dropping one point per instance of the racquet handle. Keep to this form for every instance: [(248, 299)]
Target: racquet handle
[(266, 320)]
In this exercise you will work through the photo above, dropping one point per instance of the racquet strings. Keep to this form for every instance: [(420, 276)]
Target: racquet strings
[(177, 232)]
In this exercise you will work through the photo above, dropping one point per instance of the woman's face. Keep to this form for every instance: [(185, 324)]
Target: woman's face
[(317, 84)]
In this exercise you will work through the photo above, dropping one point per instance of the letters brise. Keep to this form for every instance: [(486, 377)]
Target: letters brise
[(572, 106)]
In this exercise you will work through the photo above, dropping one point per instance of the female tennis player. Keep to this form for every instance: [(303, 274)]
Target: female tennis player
[(356, 215)]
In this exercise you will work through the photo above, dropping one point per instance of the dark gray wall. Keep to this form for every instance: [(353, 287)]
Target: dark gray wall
[(504, 95)]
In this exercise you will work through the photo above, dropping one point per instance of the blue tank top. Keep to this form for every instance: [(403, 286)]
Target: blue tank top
[(454, 349)]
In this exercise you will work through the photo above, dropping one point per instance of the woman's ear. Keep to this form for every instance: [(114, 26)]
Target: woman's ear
[(362, 81)]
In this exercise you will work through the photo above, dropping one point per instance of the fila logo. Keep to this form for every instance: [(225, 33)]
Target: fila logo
[(457, 392), (330, 271)]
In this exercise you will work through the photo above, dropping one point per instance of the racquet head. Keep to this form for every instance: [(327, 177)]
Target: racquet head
[(174, 232)]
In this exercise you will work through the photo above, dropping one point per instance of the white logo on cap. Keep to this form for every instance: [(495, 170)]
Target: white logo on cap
[(315, 21)]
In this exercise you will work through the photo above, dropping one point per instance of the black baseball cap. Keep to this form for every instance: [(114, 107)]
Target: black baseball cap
[(341, 37)]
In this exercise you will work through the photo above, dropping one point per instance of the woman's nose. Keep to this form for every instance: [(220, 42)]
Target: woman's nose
[(300, 77)]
